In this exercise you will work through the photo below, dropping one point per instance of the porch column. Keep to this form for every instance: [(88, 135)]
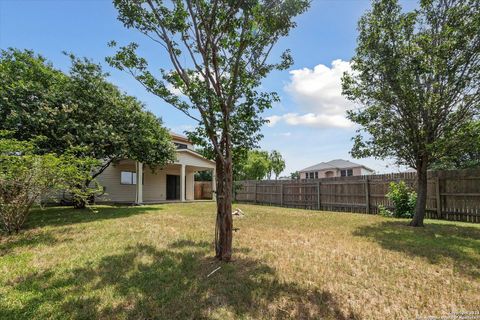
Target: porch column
[(139, 186), (182, 183), (214, 184)]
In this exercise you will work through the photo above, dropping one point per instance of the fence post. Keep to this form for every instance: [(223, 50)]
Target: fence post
[(367, 195), (318, 195), (256, 183), (281, 194), (437, 196)]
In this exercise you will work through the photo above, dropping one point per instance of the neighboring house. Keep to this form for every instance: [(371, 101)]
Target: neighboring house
[(131, 182), (334, 168)]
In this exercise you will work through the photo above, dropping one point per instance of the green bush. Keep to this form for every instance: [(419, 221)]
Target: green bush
[(26, 178), (404, 200)]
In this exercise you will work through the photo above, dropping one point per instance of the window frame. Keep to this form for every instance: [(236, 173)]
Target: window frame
[(346, 172), (133, 178), (181, 146)]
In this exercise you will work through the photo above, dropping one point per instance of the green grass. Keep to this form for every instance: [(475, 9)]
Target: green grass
[(152, 262)]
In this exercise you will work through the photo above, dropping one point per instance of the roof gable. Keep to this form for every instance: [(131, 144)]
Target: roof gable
[(335, 164)]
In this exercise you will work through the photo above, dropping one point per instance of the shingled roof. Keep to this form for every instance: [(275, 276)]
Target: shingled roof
[(335, 164)]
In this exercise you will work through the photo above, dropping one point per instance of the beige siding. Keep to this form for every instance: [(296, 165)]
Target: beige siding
[(357, 171), (190, 159), (110, 180), (154, 185)]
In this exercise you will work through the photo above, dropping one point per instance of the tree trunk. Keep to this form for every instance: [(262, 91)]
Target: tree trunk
[(224, 223), (79, 203), (417, 220)]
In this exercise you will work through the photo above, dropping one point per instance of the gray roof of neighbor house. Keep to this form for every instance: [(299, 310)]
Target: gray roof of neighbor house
[(335, 164)]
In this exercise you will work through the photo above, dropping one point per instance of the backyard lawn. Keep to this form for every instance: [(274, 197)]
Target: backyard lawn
[(153, 262)]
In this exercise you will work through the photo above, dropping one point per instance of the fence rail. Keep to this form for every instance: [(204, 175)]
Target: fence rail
[(451, 195)]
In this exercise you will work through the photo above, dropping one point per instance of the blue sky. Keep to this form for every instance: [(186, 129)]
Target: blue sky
[(307, 127)]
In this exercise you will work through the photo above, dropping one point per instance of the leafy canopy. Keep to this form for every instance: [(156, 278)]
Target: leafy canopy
[(79, 109), (416, 76), (219, 52), (467, 144), (256, 166)]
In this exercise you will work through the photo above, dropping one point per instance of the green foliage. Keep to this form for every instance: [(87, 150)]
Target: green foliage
[(417, 77), (295, 175), (257, 165), (203, 176), (277, 163), (80, 109), (404, 200), (467, 144), (217, 67), (27, 178)]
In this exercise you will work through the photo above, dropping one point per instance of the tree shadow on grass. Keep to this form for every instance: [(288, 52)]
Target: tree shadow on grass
[(173, 283), (30, 239), (435, 242), (63, 216), (60, 216)]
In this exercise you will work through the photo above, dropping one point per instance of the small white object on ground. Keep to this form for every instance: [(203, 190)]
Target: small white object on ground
[(213, 272), (238, 212)]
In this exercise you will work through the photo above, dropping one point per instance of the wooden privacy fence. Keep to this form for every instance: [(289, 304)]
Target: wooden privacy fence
[(451, 195), (203, 190)]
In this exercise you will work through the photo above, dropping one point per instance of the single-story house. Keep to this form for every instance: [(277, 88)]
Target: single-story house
[(334, 168), (129, 181)]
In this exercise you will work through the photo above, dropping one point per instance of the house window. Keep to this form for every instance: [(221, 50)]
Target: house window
[(128, 177), (316, 175), (181, 145), (311, 175), (346, 173)]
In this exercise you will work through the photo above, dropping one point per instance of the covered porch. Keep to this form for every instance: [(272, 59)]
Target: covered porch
[(130, 181)]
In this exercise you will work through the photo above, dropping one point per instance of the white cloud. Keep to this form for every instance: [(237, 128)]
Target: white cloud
[(311, 120), (174, 90), (282, 134), (318, 93)]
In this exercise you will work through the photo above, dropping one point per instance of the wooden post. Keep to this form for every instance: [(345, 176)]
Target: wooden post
[(437, 196), (318, 195), (256, 191), (367, 195), (281, 194)]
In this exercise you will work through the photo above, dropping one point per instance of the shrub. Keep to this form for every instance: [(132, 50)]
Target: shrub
[(26, 178), (404, 200), (384, 211)]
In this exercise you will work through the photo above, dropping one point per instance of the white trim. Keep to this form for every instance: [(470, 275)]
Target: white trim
[(195, 154)]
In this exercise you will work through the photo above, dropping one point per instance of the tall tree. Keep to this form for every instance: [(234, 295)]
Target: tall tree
[(219, 52), (256, 166), (79, 109), (277, 163), (416, 76)]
